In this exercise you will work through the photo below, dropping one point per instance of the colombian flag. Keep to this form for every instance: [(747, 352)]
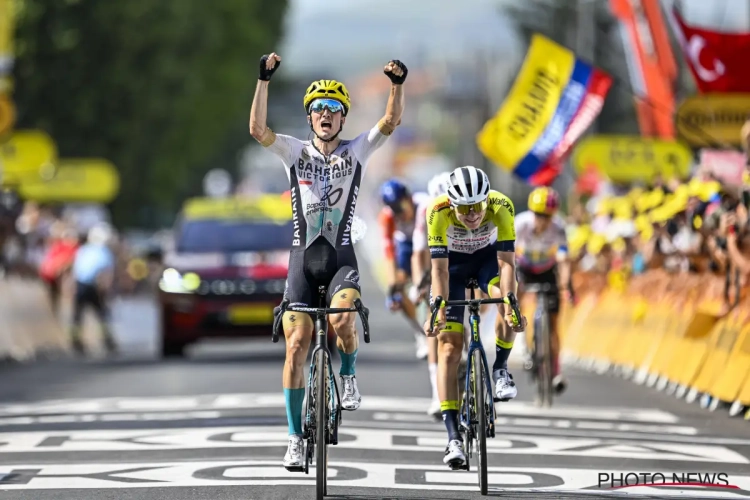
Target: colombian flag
[(553, 101)]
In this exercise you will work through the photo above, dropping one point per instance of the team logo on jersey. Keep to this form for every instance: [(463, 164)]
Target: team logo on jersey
[(331, 196), (352, 276), (504, 202), (437, 208), (335, 170)]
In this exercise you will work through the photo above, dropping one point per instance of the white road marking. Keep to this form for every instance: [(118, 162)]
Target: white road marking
[(561, 423), (276, 400), (358, 439), (342, 474)]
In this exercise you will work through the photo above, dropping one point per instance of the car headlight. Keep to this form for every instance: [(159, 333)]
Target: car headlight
[(174, 282), (276, 286)]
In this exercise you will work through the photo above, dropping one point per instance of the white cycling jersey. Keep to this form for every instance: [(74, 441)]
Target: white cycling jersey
[(537, 253), (324, 189)]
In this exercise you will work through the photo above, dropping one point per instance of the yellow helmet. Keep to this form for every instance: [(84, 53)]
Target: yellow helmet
[(330, 89), (544, 200)]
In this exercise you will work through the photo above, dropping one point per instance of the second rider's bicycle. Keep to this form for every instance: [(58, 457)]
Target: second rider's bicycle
[(323, 409), (541, 350), (477, 411)]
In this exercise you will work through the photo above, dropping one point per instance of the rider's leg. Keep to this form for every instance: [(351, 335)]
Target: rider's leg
[(489, 280), (298, 328), (346, 285), (450, 350), (432, 365), (344, 324), (554, 318)]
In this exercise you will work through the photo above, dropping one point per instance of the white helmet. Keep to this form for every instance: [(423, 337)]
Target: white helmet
[(438, 184), (468, 185)]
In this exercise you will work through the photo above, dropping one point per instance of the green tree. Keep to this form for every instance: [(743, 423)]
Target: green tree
[(157, 87)]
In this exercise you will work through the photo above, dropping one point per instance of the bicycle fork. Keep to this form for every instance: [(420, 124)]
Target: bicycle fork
[(475, 345)]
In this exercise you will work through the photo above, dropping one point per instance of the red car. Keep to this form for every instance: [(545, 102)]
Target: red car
[(227, 270)]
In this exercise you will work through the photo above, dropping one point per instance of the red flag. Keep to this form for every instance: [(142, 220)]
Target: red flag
[(718, 61)]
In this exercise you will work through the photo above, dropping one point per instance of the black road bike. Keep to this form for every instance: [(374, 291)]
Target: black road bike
[(477, 419), (323, 409)]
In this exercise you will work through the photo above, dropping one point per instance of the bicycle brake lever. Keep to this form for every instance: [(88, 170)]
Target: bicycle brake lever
[(435, 308), (278, 313), (364, 314), (516, 310)]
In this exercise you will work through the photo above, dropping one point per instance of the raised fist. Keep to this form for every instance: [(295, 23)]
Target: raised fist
[(396, 71), (268, 65)]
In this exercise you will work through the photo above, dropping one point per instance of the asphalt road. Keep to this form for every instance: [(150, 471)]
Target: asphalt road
[(213, 427)]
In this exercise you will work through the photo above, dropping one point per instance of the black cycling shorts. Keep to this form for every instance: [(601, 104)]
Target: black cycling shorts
[(320, 265), (481, 266), (548, 277)]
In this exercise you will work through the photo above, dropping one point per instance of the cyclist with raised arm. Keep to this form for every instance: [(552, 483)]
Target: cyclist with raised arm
[(404, 234), (324, 175), (470, 233), (542, 251)]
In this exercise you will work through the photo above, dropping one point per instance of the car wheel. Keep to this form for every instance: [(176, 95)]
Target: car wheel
[(172, 349)]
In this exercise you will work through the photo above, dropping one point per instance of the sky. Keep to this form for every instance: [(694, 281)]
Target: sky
[(353, 36)]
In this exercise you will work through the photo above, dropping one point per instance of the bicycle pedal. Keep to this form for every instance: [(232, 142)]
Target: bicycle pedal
[(457, 465)]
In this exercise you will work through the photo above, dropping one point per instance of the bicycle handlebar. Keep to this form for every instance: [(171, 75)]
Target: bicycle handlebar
[(510, 300), (359, 307)]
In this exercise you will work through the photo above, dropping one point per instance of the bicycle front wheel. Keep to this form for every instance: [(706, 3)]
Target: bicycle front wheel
[(321, 424), (480, 411)]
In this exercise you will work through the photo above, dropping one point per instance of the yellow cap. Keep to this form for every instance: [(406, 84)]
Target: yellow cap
[(596, 243), (619, 245)]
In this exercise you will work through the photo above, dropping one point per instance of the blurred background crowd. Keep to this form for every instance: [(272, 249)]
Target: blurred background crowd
[(132, 126)]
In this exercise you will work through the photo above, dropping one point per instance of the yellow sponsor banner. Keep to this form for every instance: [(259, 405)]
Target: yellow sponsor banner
[(625, 158), (7, 114), (708, 120), (7, 18), (509, 136), (267, 207), (92, 180), (25, 155)]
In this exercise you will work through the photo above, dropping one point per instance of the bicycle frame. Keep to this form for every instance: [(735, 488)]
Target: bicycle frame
[(475, 343), (321, 344), (542, 320)]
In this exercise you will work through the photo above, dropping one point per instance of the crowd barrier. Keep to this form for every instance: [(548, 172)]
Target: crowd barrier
[(28, 328), (674, 333)]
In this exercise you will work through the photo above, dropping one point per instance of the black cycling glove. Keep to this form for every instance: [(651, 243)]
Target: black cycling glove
[(265, 73), (398, 80)]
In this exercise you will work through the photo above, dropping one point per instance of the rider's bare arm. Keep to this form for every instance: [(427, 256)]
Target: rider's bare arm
[(393, 110), (258, 115), (440, 278), (420, 262), (388, 228), (506, 262)]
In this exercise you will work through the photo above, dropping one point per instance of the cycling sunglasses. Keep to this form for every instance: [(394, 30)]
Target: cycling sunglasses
[(318, 105), (474, 207)]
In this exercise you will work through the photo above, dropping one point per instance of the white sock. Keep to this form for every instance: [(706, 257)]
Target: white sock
[(432, 367)]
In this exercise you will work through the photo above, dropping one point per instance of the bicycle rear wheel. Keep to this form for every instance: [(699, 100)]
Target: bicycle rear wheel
[(479, 385), (321, 424), (543, 349)]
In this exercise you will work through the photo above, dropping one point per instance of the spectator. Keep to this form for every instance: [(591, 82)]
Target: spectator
[(93, 272), (58, 260)]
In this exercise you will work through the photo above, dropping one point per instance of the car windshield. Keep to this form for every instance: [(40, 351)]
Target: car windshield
[(201, 236)]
